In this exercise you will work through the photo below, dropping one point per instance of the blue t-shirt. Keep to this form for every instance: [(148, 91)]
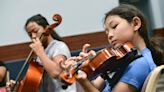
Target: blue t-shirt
[(137, 71)]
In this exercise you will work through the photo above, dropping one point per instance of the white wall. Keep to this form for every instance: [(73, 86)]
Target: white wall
[(79, 16), (161, 3), (157, 10)]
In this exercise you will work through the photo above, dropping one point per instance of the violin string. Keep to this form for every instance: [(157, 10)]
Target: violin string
[(79, 64)]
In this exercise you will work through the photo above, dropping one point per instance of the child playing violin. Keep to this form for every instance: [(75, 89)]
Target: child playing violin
[(122, 24)]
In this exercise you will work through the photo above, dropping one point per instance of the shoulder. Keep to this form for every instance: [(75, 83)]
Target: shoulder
[(138, 67), (59, 47), (146, 53), (58, 43), (136, 72)]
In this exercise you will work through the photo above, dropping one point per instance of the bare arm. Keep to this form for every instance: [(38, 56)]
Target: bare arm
[(51, 65), (96, 85), (88, 86), (123, 87), (2, 72), (99, 83)]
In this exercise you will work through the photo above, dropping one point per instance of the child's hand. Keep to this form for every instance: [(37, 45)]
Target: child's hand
[(9, 85)]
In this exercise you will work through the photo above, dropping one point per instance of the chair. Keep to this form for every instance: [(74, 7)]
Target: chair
[(155, 81)]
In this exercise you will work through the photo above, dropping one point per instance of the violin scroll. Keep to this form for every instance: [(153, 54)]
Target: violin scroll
[(58, 19)]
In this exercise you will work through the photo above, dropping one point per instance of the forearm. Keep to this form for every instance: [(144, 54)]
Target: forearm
[(2, 73), (99, 83), (52, 68), (88, 86)]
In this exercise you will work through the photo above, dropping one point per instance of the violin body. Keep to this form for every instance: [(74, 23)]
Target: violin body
[(94, 66), (106, 59), (31, 81)]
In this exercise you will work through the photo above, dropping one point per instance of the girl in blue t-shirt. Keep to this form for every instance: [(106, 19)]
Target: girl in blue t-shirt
[(122, 24)]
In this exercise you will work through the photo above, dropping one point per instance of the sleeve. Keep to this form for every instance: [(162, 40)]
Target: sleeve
[(63, 49), (136, 73)]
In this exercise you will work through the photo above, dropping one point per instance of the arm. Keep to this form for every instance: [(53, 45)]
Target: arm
[(124, 87), (51, 65), (2, 73), (99, 83), (88, 86), (96, 85)]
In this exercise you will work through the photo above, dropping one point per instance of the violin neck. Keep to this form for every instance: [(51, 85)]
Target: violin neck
[(79, 64)]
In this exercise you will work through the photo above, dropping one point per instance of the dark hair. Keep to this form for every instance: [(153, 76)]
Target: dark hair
[(40, 20), (158, 45), (128, 12)]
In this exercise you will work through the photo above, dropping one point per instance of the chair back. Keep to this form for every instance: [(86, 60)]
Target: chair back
[(155, 81)]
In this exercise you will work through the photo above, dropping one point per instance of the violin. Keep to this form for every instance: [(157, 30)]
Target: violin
[(34, 73), (104, 60)]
